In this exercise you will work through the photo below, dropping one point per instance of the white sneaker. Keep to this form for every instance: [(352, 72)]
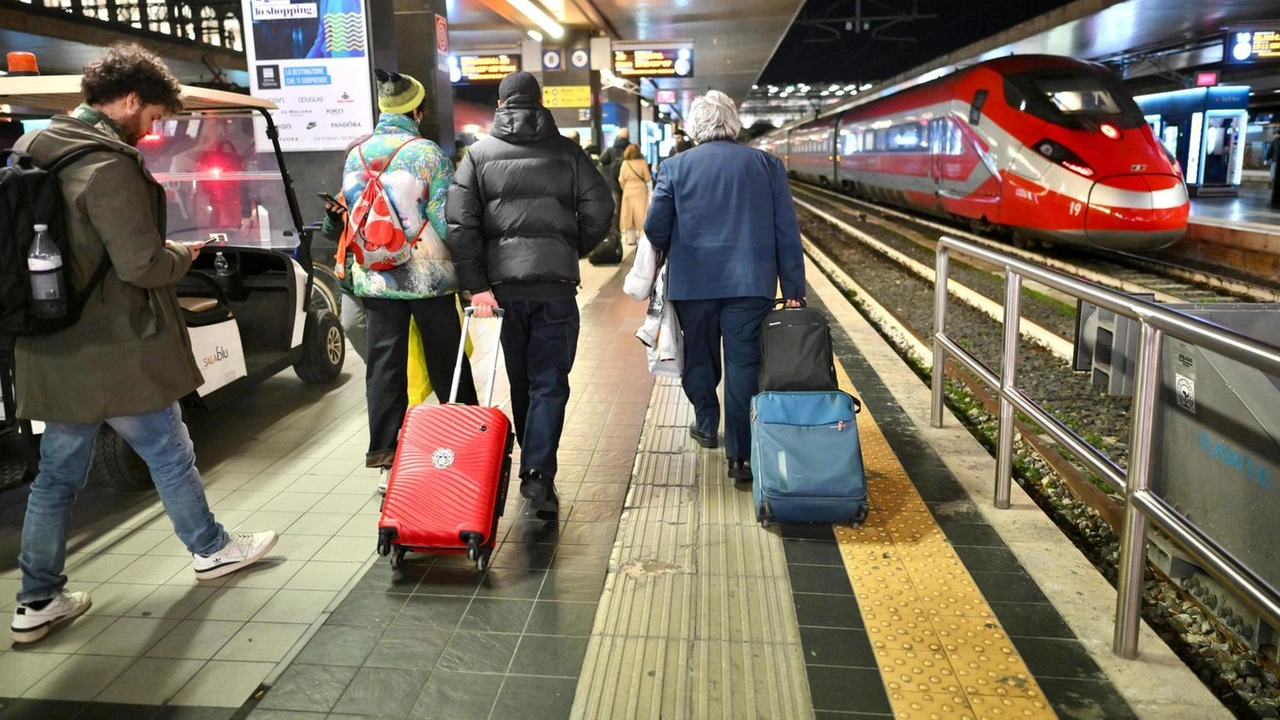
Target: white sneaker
[(383, 477), (30, 624), (241, 550)]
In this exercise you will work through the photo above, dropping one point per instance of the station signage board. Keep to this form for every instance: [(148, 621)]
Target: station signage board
[(486, 68), (665, 62), (1253, 44), (567, 96)]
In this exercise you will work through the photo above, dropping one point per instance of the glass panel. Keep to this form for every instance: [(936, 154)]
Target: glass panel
[(1078, 95), (218, 182), (1075, 99)]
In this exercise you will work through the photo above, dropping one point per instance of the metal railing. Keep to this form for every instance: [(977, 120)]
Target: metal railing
[(215, 23), (1141, 504)]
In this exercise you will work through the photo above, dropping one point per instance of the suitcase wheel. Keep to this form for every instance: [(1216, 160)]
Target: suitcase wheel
[(385, 536), (859, 517), (476, 552), (764, 514), (397, 557)]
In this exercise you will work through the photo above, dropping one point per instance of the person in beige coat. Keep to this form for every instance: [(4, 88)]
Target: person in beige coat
[(634, 177), (127, 361)]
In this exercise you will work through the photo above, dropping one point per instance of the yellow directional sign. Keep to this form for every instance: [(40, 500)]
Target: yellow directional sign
[(566, 96)]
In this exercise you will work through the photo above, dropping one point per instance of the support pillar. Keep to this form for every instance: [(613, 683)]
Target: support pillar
[(406, 37)]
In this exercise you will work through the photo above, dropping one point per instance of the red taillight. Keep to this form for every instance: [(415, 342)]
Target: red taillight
[(1056, 152), (150, 137), (1111, 131)]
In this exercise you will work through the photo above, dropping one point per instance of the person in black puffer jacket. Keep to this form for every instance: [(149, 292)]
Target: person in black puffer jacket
[(525, 205)]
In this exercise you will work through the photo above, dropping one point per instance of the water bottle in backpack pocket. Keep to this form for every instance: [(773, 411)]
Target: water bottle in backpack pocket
[(48, 284)]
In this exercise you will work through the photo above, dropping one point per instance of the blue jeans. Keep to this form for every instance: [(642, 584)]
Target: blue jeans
[(66, 450), (539, 343), (705, 323)]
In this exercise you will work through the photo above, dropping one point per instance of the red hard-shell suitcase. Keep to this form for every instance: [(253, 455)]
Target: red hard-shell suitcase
[(448, 483)]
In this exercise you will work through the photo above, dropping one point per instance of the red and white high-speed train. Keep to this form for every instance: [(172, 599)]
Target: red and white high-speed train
[(1043, 147)]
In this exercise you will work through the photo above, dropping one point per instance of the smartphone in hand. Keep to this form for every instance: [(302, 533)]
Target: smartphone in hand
[(331, 203)]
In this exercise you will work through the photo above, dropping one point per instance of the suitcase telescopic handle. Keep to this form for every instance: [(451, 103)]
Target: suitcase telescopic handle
[(467, 312)]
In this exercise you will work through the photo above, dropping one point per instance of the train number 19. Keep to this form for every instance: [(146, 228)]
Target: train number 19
[(1076, 208)]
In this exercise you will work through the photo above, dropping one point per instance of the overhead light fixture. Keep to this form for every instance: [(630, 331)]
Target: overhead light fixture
[(535, 35), (538, 16)]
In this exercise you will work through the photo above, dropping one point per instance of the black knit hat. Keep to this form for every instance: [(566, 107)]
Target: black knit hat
[(520, 83)]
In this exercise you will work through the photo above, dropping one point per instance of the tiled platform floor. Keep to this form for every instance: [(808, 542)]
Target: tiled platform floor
[(335, 633), (1252, 206), (434, 638)]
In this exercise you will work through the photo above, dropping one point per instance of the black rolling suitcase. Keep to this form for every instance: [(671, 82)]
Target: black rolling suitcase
[(795, 350)]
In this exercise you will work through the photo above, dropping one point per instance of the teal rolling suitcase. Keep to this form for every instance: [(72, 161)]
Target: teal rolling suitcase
[(806, 457)]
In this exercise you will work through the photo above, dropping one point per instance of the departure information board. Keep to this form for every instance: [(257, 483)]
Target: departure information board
[(670, 62), (1246, 45), (486, 68)]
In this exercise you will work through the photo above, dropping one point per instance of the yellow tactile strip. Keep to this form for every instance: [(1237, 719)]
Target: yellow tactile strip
[(941, 651)]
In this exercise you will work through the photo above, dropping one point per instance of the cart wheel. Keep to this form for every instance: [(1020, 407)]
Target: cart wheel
[(323, 348), (482, 559), (384, 547), (397, 557)]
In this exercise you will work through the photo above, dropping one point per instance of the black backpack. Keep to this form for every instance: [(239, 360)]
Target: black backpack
[(31, 195), (795, 350), (608, 252)]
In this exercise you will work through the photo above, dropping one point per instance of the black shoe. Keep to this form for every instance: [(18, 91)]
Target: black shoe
[(540, 491), (740, 469), (706, 440)]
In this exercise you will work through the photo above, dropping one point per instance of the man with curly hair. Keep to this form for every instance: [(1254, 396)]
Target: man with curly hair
[(127, 362)]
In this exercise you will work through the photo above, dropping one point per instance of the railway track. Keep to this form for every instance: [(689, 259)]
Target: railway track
[(1126, 272), (889, 280)]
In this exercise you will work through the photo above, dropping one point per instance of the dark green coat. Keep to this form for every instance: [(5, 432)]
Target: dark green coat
[(130, 352)]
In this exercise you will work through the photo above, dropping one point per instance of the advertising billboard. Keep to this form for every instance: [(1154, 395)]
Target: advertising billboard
[(310, 57)]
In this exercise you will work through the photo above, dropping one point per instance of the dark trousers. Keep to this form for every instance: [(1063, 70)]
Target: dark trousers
[(386, 373), (539, 342), (705, 323)]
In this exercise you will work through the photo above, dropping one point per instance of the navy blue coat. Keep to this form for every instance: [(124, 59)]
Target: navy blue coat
[(723, 214)]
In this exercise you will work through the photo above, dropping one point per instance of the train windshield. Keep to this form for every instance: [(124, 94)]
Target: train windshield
[(1075, 99)]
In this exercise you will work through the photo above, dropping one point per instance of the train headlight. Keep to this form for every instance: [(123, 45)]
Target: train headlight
[(1111, 131), (1060, 154)]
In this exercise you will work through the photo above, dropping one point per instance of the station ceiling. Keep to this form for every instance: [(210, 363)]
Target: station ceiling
[(733, 39)]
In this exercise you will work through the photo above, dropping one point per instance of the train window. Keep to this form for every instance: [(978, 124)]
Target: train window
[(955, 138), (849, 143), (904, 138), (1075, 99), (975, 108), (1078, 95)]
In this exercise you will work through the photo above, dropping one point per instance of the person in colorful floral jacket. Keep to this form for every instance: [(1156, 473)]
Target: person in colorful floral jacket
[(415, 174)]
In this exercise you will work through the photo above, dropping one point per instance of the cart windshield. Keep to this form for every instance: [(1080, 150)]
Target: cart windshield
[(222, 180)]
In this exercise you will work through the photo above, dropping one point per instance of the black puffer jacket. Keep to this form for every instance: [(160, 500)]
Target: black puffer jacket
[(524, 206)]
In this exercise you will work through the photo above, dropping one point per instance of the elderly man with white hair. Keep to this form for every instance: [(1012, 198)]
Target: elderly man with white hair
[(723, 214)]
